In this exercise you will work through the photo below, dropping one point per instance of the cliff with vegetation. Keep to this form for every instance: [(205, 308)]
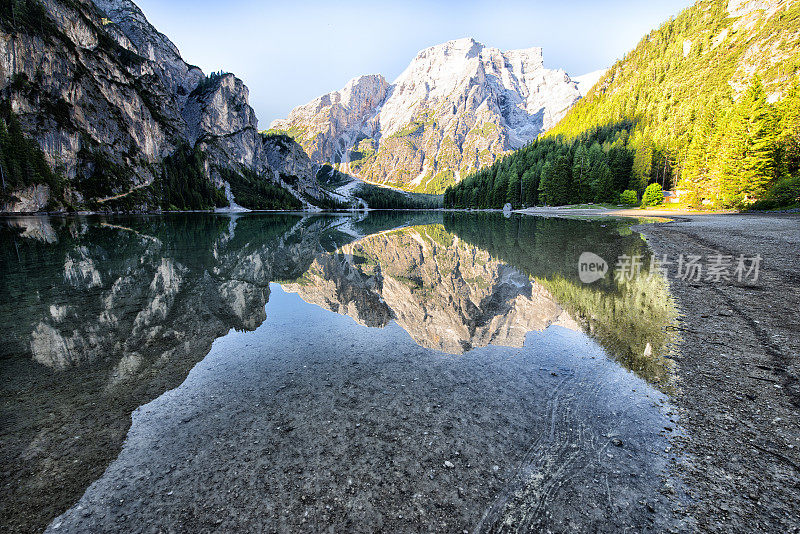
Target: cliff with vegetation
[(99, 111), (707, 103)]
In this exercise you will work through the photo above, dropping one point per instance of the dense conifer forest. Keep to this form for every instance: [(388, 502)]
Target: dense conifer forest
[(707, 104)]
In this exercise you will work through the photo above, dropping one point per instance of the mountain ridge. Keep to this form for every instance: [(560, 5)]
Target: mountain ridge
[(109, 101), (456, 107), (707, 104)]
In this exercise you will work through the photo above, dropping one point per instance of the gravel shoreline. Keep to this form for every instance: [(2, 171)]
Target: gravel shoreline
[(738, 390), (738, 383)]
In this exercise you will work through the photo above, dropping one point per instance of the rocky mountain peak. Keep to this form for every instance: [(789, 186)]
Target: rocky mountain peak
[(358, 94), (455, 108), (466, 47), (128, 23), (360, 88)]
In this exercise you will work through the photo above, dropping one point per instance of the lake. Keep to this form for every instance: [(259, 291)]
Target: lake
[(394, 371)]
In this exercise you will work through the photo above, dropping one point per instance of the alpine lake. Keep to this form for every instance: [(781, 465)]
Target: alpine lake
[(390, 371)]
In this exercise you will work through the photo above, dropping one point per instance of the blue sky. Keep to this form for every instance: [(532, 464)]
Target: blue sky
[(289, 52)]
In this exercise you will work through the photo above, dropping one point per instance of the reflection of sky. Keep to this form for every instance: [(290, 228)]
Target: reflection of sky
[(291, 52), (283, 413)]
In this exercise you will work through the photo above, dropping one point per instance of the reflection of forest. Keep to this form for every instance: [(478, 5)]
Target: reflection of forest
[(493, 280), (103, 315), (633, 319)]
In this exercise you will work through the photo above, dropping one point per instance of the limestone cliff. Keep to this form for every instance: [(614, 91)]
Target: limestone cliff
[(455, 108), (108, 98)]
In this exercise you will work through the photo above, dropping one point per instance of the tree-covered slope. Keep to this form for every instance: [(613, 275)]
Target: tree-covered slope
[(703, 104)]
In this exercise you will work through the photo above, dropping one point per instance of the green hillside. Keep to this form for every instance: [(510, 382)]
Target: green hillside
[(707, 104)]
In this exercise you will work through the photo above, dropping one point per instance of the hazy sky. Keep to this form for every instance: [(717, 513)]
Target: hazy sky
[(290, 52)]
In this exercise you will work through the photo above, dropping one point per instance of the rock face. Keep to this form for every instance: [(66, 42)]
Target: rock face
[(448, 295), (455, 108), (98, 87), (740, 8)]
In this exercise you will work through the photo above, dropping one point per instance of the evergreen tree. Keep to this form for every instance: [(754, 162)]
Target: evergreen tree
[(697, 166), (547, 170), (653, 195), (22, 162), (747, 159), (620, 162), (530, 187), (642, 169), (580, 174), (513, 195), (596, 159), (557, 181), (628, 197), (761, 134), (789, 138), (603, 183), (500, 190)]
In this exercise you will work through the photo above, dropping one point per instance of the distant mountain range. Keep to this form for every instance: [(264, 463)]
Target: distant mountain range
[(456, 108), (98, 111)]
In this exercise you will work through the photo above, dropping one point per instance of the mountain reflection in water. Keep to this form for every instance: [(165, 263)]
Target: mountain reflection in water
[(102, 315), (469, 283)]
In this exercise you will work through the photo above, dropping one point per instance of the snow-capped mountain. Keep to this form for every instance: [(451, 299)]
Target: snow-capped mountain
[(455, 108), (586, 81)]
